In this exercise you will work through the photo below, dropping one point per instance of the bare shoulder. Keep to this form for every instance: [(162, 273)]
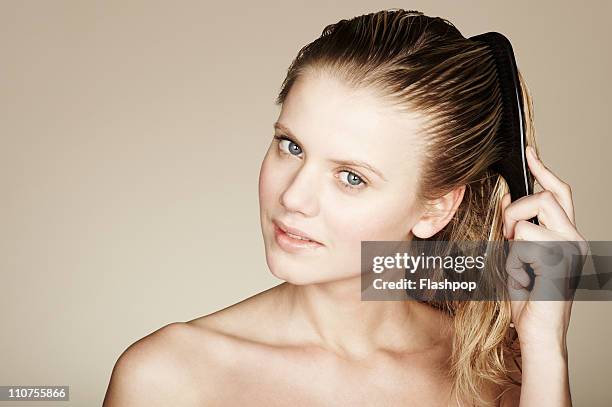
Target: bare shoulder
[(160, 369), (189, 363)]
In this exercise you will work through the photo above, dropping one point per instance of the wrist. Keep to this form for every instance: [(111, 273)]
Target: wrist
[(543, 342), (545, 375), (553, 349)]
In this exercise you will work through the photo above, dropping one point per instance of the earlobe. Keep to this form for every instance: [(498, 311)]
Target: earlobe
[(440, 213)]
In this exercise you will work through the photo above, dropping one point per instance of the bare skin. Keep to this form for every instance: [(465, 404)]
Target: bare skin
[(242, 356)]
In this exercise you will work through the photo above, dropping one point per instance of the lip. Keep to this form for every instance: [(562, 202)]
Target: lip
[(294, 231), (289, 243)]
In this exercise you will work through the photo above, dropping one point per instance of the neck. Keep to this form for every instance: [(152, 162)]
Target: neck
[(333, 316)]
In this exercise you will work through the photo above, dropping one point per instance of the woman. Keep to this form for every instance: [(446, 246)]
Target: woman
[(385, 133)]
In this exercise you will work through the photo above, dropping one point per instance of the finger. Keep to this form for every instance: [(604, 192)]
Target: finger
[(554, 272), (545, 207), (518, 294), (516, 271), (541, 256), (549, 181), (527, 251), (518, 280), (527, 231), (520, 254), (551, 259)]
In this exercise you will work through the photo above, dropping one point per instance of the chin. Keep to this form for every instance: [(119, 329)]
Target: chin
[(291, 275), (300, 275), (293, 279)]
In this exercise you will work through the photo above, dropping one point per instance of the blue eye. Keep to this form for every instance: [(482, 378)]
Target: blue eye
[(291, 147), (351, 180)]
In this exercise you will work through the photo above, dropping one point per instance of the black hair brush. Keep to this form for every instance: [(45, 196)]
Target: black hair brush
[(511, 133)]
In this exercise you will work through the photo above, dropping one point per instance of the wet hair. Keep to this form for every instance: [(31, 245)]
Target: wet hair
[(423, 64)]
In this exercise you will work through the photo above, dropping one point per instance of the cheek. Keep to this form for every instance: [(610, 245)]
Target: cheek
[(384, 217), (388, 219)]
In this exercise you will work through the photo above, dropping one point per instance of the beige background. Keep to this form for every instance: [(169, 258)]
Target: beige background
[(131, 135)]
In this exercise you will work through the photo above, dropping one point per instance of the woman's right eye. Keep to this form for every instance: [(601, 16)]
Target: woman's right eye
[(288, 146)]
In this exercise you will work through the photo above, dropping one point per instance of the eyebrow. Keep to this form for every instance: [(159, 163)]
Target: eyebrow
[(357, 163)]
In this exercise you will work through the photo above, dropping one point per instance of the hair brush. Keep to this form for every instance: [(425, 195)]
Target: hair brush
[(511, 134)]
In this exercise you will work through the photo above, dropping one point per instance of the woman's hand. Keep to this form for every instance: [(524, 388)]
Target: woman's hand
[(541, 323)]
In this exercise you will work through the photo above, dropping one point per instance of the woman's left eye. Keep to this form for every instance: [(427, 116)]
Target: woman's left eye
[(351, 180)]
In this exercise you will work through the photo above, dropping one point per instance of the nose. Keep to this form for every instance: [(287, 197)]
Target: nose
[(301, 192)]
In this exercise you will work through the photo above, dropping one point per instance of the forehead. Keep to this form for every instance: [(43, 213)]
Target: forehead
[(334, 121)]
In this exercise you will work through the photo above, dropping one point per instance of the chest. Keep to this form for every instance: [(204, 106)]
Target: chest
[(302, 379)]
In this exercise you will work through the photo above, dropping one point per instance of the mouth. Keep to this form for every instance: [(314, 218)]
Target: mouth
[(292, 241)]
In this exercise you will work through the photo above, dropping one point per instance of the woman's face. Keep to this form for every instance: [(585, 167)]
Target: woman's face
[(313, 178)]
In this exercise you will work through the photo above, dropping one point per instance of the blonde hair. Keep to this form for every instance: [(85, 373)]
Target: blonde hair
[(423, 64)]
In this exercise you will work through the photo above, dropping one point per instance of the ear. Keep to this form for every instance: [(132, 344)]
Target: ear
[(439, 214)]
